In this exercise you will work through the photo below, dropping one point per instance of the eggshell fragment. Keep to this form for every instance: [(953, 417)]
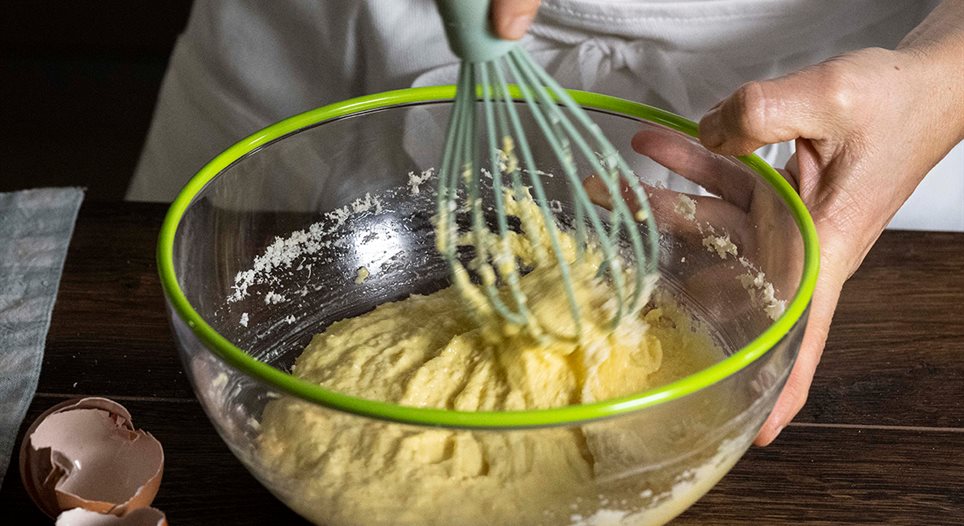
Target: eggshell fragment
[(138, 517), (85, 453)]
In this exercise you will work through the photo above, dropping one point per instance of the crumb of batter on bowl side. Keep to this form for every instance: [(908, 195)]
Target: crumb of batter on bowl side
[(361, 275)]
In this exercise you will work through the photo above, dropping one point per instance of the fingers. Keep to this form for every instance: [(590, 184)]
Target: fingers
[(792, 172), (599, 193), (665, 207), (794, 394), (512, 18), (677, 153), (812, 103)]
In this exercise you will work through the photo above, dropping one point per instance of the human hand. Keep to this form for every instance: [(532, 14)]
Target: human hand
[(736, 205), (512, 18), (868, 126)]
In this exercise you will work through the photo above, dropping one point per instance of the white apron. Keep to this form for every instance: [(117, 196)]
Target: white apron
[(243, 64)]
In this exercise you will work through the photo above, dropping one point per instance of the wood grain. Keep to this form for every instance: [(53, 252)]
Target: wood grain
[(203, 483), (109, 332), (894, 354), (833, 476), (811, 476), (880, 440)]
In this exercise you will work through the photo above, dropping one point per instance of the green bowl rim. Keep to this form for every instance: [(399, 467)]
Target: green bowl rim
[(574, 414)]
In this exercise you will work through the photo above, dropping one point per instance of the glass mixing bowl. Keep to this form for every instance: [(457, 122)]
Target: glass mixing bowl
[(272, 241)]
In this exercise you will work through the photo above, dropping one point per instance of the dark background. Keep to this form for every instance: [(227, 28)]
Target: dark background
[(79, 80)]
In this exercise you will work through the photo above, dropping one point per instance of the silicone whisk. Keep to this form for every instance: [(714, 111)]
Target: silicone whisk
[(489, 138)]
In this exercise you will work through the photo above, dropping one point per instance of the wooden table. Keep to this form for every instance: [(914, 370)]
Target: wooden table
[(881, 440)]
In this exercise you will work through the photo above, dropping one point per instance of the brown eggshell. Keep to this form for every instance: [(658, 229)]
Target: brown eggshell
[(138, 517), (85, 453)]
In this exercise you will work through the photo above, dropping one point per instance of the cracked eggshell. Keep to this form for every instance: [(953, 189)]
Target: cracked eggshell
[(85, 453), (138, 517)]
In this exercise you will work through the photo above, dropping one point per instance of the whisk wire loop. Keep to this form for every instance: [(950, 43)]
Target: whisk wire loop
[(544, 101), (619, 172), (606, 165), (505, 259), (522, 144), (485, 113)]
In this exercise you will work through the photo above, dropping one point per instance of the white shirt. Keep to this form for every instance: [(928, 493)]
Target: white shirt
[(243, 64)]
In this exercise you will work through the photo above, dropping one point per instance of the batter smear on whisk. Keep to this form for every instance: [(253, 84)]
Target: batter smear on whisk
[(488, 136)]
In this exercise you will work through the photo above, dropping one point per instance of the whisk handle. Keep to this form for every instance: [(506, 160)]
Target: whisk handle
[(468, 30)]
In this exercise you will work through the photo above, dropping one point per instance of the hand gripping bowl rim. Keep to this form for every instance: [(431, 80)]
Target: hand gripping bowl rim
[(568, 415)]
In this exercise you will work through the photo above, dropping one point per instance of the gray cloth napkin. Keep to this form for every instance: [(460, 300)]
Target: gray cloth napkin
[(35, 229)]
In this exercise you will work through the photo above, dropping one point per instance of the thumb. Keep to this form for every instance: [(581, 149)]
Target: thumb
[(812, 103), (512, 18)]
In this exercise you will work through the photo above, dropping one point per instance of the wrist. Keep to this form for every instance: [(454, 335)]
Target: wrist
[(931, 54), (933, 99)]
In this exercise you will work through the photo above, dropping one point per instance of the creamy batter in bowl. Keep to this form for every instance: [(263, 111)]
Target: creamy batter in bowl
[(325, 215)]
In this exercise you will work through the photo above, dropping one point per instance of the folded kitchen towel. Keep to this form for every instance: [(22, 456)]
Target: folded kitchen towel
[(35, 229)]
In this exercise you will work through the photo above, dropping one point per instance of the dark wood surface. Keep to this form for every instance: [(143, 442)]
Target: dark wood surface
[(881, 440)]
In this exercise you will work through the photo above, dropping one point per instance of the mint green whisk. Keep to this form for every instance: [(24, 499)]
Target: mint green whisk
[(485, 127)]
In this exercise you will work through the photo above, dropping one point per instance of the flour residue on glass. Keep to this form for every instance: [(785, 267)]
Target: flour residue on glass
[(285, 251), (717, 240)]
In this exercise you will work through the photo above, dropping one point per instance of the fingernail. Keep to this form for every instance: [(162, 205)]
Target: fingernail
[(516, 27), (710, 134)]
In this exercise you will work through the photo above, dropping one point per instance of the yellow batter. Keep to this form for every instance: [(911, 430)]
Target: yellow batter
[(428, 351), (437, 351)]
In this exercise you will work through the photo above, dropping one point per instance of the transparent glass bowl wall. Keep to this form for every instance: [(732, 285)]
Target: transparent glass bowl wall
[(663, 457)]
